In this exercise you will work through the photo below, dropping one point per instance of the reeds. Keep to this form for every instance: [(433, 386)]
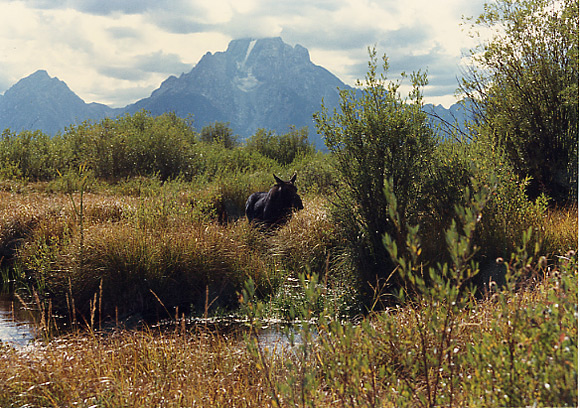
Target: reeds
[(132, 368), (559, 230), (117, 251), (157, 255), (519, 347)]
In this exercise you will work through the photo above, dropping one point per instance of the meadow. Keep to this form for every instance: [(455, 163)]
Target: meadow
[(429, 267), (442, 285), (144, 250)]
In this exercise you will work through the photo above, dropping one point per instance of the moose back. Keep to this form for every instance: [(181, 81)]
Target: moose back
[(275, 206)]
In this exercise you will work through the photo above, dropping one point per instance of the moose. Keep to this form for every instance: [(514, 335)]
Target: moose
[(275, 206)]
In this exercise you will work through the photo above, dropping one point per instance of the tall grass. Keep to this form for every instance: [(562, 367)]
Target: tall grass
[(158, 253), (559, 230), (138, 369), (154, 255), (147, 255), (509, 349)]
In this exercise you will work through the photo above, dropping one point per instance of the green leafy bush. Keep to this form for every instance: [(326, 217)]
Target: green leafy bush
[(29, 155), (529, 355), (442, 345), (316, 174), (524, 90), (282, 148), (219, 133), (377, 137), (509, 213), (128, 146), (213, 160)]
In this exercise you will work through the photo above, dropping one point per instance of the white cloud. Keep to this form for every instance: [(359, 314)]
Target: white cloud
[(107, 51)]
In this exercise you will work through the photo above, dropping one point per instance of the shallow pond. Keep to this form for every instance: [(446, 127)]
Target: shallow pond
[(16, 325)]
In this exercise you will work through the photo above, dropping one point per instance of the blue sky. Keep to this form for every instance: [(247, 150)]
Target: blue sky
[(118, 51)]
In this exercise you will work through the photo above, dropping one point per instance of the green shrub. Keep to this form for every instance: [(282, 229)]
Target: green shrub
[(441, 345), (132, 145), (316, 174), (29, 155), (523, 88), (213, 160), (527, 352), (377, 137), (219, 133), (282, 148), (509, 213), (449, 176)]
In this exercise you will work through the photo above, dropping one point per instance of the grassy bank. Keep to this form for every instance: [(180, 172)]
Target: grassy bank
[(509, 349), (150, 250), (160, 251), (424, 277), (105, 255)]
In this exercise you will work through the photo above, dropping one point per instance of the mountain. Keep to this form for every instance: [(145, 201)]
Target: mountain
[(254, 84), (44, 103), (446, 120)]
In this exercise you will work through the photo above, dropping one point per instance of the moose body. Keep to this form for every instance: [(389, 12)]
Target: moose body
[(275, 206)]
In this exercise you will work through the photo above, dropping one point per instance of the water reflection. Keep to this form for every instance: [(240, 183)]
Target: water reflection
[(273, 335), (16, 328)]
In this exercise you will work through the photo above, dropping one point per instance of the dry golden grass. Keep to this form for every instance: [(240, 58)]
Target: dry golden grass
[(159, 251), (151, 254), (559, 230), (375, 363), (132, 369), (307, 241)]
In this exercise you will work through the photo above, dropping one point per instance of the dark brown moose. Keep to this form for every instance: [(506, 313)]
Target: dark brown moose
[(276, 206)]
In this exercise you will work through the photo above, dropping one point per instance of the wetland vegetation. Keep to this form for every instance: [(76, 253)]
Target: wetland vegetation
[(422, 271)]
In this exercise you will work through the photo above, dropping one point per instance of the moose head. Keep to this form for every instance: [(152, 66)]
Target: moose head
[(275, 206)]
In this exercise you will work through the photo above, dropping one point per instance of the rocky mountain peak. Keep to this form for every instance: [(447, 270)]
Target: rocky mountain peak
[(254, 83), (40, 84), (42, 102)]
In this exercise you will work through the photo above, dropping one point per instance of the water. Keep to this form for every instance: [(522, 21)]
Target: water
[(16, 326), (18, 330), (271, 335)]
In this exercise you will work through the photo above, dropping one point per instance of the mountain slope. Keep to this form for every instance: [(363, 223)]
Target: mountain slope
[(445, 121), (253, 84), (41, 102)]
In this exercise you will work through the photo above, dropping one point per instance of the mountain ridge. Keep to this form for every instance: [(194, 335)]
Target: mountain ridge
[(254, 83), (60, 106)]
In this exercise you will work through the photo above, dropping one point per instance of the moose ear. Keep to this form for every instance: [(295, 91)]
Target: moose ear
[(278, 181), (293, 179)]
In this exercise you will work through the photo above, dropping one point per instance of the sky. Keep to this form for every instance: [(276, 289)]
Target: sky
[(118, 51)]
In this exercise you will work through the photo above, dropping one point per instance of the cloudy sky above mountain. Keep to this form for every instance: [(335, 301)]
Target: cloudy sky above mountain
[(118, 51)]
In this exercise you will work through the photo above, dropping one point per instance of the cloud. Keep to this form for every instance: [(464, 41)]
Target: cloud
[(123, 32), (109, 49), (95, 7), (123, 73), (141, 66), (107, 7), (178, 23)]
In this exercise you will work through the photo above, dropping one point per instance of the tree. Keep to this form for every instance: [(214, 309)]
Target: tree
[(378, 137), (524, 89)]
